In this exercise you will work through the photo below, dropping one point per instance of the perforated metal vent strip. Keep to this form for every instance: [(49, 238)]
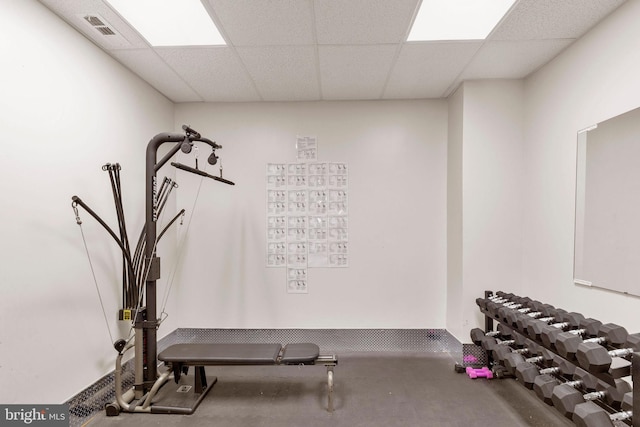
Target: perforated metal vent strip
[(473, 355), (90, 401), (329, 340)]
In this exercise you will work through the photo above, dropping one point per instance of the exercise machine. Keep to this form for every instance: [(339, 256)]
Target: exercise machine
[(141, 270)]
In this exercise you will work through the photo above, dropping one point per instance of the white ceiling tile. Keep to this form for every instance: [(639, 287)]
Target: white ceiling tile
[(272, 22), (354, 72), (512, 60), (215, 73), (148, 65), (283, 73), (553, 19), (426, 70), (363, 21), (335, 49)]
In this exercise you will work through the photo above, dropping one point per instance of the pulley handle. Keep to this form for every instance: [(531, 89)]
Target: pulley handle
[(191, 132)]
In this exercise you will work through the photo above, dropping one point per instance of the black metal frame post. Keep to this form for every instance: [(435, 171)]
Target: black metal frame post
[(635, 378), (488, 321), (152, 262)]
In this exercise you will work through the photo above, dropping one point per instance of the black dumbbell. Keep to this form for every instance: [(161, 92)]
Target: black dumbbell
[(489, 343), (498, 297), (498, 308), (587, 328), (596, 359), (588, 414), (565, 397), (563, 321), (512, 316), (521, 346), (500, 352), (482, 303), (512, 360), (543, 312), (583, 380), (503, 312), (477, 334), (614, 335), (526, 373), (544, 385), (487, 305), (504, 296), (530, 308)]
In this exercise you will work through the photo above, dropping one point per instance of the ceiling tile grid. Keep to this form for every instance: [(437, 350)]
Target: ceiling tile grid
[(215, 73), (552, 19), (265, 23), (427, 70), (512, 60), (355, 72), (363, 21), (301, 50), (151, 68), (283, 73)]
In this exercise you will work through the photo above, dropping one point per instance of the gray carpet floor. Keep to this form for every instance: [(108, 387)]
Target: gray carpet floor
[(371, 389)]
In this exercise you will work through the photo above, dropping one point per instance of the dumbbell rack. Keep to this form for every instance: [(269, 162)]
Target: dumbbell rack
[(605, 377)]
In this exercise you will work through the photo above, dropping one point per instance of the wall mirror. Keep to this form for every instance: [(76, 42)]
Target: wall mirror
[(607, 226)]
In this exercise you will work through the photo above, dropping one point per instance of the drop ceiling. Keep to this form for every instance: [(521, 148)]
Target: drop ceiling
[(308, 50)]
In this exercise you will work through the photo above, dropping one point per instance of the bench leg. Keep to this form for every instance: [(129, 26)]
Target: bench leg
[(330, 388), (200, 379)]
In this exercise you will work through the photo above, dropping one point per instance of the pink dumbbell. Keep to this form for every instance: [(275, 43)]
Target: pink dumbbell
[(479, 373)]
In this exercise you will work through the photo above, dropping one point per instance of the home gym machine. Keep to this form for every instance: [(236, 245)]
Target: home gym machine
[(150, 392)]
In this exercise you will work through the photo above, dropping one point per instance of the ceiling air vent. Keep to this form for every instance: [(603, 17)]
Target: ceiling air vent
[(100, 31), (99, 24), (95, 21), (106, 31)]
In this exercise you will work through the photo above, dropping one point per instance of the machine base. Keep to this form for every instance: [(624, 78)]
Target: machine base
[(180, 398)]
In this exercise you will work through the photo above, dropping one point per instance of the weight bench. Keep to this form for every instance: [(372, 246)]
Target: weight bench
[(179, 357)]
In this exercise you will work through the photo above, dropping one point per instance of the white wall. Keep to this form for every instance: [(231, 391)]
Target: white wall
[(396, 151), (593, 80), (66, 109), (485, 198), (492, 191), (455, 285)]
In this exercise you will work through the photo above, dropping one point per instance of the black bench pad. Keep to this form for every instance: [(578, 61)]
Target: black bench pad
[(239, 354), (221, 354), (300, 353)]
